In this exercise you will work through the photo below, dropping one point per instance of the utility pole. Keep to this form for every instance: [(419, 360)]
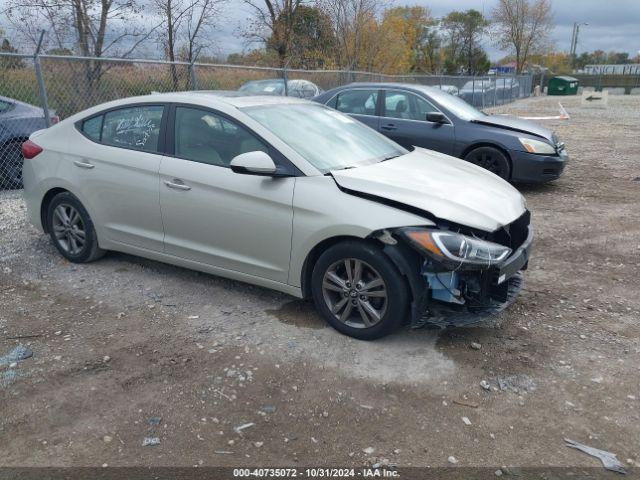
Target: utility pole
[(574, 42)]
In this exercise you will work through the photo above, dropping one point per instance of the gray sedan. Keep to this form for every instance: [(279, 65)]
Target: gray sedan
[(18, 120), (418, 116)]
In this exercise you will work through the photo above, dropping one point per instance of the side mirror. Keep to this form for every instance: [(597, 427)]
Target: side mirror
[(254, 163), (436, 117)]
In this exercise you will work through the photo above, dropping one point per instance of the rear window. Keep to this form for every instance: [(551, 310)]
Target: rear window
[(4, 106), (92, 127)]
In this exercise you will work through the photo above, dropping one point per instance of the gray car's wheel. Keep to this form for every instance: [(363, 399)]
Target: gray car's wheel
[(490, 159), (359, 291), (71, 229), (11, 165)]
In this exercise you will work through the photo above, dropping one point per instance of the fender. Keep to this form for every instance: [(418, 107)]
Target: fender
[(409, 262)]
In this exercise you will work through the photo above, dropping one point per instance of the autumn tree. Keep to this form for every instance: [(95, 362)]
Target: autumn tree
[(356, 30), (463, 32), (404, 31), (522, 27)]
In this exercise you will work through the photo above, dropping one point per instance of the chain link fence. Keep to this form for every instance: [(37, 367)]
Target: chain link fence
[(38, 90)]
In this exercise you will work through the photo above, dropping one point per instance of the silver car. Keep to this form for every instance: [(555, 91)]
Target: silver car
[(275, 86), (283, 193)]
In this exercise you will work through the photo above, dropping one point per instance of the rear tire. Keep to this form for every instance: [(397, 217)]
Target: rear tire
[(359, 290), (491, 159), (71, 229)]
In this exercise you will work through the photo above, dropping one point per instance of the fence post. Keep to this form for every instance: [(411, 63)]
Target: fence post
[(473, 91), (192, 74), (192, 70), (41, 87)]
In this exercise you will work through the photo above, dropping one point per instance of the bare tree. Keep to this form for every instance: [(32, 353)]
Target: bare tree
[(186, 27), (200, 20), (273, 25), (91, 28), (522, 27)]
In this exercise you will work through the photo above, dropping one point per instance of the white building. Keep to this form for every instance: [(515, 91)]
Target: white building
[(628, 69)]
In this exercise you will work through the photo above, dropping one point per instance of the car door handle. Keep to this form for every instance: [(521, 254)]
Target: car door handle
[(389, 127), (80, 164), (177, 184)]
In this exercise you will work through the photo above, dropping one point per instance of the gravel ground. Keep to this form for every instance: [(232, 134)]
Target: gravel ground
[(120, 341)]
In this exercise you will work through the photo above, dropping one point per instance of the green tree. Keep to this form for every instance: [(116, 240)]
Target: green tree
[(463, 32)]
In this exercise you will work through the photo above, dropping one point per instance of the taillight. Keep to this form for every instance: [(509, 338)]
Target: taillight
[(30, 149), (55, 119)]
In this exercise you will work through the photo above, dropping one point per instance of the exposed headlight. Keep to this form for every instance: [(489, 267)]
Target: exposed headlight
[(454, 248), (536, 146)]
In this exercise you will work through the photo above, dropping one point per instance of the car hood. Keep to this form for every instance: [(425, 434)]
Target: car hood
[(447, 187), (517, 124)]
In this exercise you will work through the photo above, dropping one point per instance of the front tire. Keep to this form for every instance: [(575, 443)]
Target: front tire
[(491, 159), (359, 290), (71, 229)]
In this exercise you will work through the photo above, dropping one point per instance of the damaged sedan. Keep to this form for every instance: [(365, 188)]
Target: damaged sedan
[(286, 194)]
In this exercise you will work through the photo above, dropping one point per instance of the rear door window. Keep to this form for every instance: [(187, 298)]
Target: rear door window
[(4, 106), (136, 128), (358, 102)]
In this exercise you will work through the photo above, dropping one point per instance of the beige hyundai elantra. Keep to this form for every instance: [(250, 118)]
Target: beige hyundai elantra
[(282, 193)]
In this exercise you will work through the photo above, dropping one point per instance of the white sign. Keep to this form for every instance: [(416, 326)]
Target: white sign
[(594, 99)]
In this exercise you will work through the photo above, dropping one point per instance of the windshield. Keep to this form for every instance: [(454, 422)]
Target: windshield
[(269, 87), (327, 139), (456, 105)]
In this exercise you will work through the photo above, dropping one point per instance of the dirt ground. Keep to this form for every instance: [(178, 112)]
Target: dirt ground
[(118, 342)]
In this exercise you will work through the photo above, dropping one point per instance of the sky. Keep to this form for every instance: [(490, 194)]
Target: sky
[(613, 24)]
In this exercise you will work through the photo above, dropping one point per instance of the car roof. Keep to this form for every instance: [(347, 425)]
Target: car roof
[(413, 86), (212, 97), (407, 86)]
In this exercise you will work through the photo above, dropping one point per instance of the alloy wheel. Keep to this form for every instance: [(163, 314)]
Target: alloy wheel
[(69, 229), (355, 293), (488, 162)]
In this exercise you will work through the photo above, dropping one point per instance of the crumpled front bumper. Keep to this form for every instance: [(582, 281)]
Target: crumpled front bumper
[(502, 285), (441, 315), (517, 261)]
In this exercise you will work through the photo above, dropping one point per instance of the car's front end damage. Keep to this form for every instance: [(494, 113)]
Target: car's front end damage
[(458, 275), (468, 254)]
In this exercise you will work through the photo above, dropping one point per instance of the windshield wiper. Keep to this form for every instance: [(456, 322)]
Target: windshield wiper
[(389, 158), (338, 169)]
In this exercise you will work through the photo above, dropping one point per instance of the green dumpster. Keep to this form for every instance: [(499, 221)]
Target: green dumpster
[(563, 85)]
